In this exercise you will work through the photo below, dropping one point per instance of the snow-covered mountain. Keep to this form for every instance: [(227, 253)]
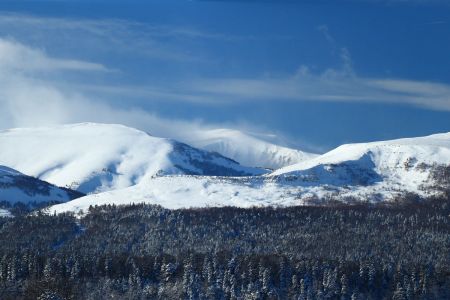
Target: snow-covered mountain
[(248, 149), (16, 187), (92, 157), (407, 161), (378, 171)]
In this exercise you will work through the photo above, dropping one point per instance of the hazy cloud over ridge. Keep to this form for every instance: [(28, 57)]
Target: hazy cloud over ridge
[(29, 99), (47, 81)]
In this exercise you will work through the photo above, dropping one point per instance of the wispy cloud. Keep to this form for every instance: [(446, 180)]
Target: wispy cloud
[(331, 85), (17, 56), (29, 99), (104, 27), (19, 63), (327, 35), (163, 42)]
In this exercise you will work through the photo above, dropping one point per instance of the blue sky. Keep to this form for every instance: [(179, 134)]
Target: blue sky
[(316, 73)]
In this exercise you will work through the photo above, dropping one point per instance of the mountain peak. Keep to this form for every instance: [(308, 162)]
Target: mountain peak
[(92, 157)]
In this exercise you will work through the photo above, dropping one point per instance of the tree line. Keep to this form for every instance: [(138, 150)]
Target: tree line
[(142, 251)]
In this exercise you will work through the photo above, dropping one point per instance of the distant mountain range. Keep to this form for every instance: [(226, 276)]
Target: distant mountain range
[(93, 158), (122, 165)]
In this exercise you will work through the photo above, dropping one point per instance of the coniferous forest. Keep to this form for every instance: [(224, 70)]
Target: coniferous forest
[(396, 251)]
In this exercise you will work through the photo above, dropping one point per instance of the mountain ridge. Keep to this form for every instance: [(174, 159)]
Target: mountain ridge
[(372, 172), (92, 157)]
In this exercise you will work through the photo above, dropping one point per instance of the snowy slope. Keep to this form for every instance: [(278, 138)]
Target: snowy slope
[(373, 172), (247, 148), (16, 187), (98, 157), (407, 162), (183, 192), (386, 155), (5, 213)]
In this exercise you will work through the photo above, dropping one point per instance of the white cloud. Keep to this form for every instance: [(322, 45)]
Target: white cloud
[(107, 27), (26, 102), (14, 55), (162, 42), (337, 85), (28, 99), (342, 84)]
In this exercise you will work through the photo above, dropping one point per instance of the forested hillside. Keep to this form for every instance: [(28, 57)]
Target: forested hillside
[(147, 252)]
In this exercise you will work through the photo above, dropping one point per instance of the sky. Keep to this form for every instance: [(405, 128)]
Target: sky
[(315, 73)]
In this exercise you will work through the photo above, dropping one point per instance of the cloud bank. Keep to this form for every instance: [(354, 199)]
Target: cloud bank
[(37, 88), (32, 93)]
